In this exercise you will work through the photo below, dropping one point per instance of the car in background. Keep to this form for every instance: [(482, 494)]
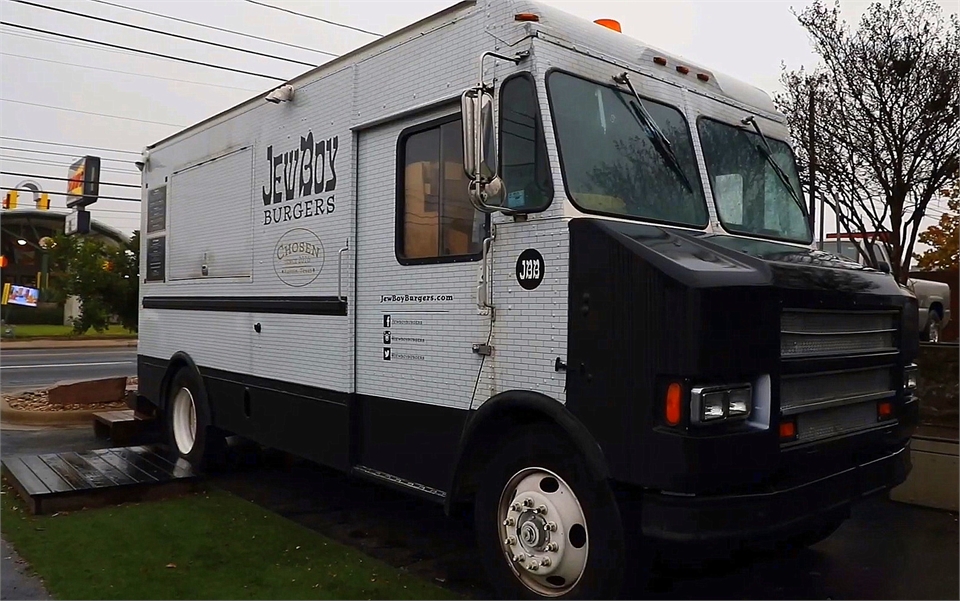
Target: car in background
[(933, 298)]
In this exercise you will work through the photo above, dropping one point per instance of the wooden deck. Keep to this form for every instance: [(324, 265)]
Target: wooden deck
[(67, 481)]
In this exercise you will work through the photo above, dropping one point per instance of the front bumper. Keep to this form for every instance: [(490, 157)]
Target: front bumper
[(769, 514)]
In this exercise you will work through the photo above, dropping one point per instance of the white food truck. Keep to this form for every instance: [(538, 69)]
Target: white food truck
[(510, 260)]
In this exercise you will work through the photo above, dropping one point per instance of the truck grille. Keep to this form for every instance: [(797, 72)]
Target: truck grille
[(826, 333), (836, 402)]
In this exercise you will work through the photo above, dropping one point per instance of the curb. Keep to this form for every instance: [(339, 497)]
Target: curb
[(9, 415), (53, 343)]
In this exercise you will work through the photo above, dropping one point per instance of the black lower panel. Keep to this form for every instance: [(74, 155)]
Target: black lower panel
[(303, 420), (150, 373), (414, 441)]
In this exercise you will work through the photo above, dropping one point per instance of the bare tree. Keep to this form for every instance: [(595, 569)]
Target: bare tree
[(885, 118)]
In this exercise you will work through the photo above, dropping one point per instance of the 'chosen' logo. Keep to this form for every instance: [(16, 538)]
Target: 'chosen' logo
[(298, 257)]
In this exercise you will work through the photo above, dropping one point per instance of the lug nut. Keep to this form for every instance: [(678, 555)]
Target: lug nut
[(516, 507), (528, 502), (509, 522), (551, 526), (534, 566), (541, 509), (552, 547), (545, 562), (510, 541), (518, 558)]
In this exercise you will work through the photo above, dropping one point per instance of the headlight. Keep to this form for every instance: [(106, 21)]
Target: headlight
[(717, 403), (910, 377)]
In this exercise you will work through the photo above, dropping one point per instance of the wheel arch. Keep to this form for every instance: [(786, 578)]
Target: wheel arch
[(505, 413), (178, 361)]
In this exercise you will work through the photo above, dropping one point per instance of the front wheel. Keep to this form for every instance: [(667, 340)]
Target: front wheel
[(546, 527)]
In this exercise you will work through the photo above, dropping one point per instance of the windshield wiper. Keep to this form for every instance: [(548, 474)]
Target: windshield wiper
[(768, 154), (660, 141)]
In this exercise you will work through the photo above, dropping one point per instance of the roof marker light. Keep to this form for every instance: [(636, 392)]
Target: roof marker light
[(660, 60), (682, 69), (526, 17), (703, 77), (609, 24)]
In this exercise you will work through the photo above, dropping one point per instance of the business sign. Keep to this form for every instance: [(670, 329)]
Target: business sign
[(20, 295), (77, 222), (83, 182)]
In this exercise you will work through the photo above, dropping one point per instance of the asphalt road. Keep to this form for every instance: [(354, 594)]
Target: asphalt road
[(35, 368), (886, 550)]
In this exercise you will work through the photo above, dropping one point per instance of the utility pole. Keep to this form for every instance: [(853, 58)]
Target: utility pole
[(812, 156)]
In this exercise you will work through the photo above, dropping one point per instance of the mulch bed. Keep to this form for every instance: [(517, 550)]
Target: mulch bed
[(36, 400)]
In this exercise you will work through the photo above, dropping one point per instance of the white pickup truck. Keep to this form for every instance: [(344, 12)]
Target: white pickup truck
[(933, 297)]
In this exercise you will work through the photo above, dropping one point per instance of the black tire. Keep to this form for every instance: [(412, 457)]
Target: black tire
[(545, 447), (209, 446), (933, 323)]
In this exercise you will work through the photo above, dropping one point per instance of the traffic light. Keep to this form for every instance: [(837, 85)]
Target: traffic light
[(10, 200), (44, 203)]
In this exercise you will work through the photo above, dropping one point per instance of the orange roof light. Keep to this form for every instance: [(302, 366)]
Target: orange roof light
[(682, 69), (526, 17), (703, 77), (609, 24), (660, 60), (672, 404)]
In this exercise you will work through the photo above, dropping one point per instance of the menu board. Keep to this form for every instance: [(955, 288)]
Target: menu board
[(156, 259), (157, 210)]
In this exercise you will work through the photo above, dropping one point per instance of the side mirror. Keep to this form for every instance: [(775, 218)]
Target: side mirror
[(480, 149), (479, 137)]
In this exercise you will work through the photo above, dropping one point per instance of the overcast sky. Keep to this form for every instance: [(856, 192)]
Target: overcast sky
[(748, 40)]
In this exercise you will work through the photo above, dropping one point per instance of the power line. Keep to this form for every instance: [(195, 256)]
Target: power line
[(65, 194), (70, 145), (215, 28), (84, 45), (306, 16), (138, 50), (60, 108), (65, 179), (62, 164), (199, 83), (62, 154), (160, 32)]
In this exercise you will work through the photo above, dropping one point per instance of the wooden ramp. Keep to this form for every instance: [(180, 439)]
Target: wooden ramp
[(67, 481)]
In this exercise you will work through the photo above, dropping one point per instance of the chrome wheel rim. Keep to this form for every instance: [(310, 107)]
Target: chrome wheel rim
[(543, 532), (184, 421)]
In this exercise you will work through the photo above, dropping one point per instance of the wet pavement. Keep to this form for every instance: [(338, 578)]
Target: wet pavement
[(885, 550)]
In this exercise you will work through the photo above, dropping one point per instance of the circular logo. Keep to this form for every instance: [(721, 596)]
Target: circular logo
[(298, 258), (530, 268)]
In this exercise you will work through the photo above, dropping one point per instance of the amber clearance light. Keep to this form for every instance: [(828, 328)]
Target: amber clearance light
[(672, 404), (609, 24)]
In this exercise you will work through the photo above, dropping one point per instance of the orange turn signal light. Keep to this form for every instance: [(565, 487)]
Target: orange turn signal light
[(660, 60), (703, 77), (884, 409), (683, 70), (526, 17), (609, 24), (672, 408), (788, 430)]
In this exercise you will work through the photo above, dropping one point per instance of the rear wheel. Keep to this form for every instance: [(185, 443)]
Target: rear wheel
[(190, 429), (933, 327), (546, 527)]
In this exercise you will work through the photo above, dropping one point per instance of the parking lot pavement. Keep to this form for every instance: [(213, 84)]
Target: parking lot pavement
[(885, 551)]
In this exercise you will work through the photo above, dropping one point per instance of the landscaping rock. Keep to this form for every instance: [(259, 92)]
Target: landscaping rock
[(105, 390)]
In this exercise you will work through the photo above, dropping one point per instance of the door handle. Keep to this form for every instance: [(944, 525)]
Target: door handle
[(340, 252)]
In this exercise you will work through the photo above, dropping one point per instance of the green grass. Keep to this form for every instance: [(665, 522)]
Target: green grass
[(22, 332), (223, 547)]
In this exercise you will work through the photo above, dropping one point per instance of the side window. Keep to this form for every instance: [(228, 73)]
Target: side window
[(435, 220), (523, 150)]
